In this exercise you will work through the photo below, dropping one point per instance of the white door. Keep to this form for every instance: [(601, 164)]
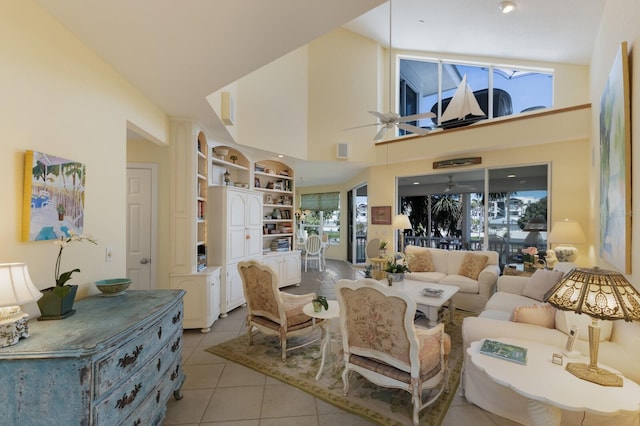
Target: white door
[(140, 219)]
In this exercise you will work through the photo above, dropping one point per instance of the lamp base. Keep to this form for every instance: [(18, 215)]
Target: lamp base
[(566, 253), (596, 375), (13, 329)]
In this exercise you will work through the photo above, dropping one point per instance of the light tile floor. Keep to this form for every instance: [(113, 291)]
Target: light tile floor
[(221, 392)]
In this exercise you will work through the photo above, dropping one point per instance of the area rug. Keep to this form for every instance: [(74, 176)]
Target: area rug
[(377, 404)]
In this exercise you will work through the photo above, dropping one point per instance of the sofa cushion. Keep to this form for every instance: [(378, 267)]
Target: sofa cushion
[(421, 262), (472, 265), (566, 319), (542, 315), (541, 282), (430, 277), (502, 301), (465, 284)]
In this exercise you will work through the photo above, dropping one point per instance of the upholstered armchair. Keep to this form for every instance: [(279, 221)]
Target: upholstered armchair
[(272, 312), (381, 342)]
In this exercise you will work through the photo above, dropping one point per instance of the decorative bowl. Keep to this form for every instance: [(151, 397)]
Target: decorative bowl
[(432, 292), (113, 286)]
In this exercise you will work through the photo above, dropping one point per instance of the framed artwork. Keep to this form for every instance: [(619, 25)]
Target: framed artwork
[(615, 166), (381, 215), (53, 199)]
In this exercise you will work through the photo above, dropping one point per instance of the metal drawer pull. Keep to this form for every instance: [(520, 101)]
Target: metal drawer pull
[(176, 345), (176, 317), (126, 400), (175, 373), (130, 359)]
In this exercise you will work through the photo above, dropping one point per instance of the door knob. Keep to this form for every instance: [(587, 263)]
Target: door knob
[(144, 260)]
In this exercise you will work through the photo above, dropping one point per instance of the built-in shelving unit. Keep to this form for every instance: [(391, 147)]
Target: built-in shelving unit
[(275, 181), (225, 159)]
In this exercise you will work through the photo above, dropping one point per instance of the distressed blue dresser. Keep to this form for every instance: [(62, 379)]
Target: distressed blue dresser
[(117, 361)]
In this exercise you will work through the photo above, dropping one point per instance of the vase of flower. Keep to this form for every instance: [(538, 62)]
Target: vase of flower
[(395, 276)]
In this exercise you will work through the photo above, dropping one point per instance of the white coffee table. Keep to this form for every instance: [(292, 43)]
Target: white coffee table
[(430, 306), (549, 387), (327, 316)]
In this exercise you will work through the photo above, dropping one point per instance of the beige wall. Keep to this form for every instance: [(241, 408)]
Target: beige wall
[(619, 23), (58, 97)]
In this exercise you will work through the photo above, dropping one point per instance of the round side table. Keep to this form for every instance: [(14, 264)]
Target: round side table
[(327, 316)]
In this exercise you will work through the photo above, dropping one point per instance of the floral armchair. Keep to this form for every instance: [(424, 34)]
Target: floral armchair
[(271, 311), (382, 344)]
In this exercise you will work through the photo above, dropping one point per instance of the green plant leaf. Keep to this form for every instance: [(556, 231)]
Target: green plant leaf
[(66, 276)]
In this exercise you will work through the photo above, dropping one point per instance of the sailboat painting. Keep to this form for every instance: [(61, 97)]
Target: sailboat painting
[(462, 104)]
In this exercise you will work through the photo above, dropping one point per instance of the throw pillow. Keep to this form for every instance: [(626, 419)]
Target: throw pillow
[(542, 315), (421, 262), (541, 282), (472, 265)]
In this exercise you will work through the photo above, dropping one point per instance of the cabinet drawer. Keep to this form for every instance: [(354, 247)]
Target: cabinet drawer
[(162, 371), (138, 350), (153, 409)]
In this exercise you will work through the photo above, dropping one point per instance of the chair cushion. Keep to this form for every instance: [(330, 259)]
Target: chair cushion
[(541, 282), (421, 262), (472, 265), (542, 315), (430, 350)]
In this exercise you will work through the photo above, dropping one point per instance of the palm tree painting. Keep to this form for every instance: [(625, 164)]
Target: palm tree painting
[(53, 204)]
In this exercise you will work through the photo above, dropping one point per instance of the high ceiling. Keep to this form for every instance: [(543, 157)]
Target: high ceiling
[(179, 52)]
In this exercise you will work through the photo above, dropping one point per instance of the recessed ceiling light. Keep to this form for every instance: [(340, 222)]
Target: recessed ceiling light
[(416, 183), (511, 176), (507, 7), (280, 156)]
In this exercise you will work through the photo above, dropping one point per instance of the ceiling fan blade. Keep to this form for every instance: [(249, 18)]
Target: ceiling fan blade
[(380, 134), (413, 129), (380, 115), (364, 125), (415, 117)]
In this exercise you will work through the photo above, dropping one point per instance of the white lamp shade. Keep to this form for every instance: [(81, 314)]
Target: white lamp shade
[(567, 232), (401, 221), (16, 287)]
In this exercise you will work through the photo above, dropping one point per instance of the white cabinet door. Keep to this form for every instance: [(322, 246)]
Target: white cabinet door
[(291, 271), (235, 292)]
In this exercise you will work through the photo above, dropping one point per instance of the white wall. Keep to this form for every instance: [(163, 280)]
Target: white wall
[(58, 97)]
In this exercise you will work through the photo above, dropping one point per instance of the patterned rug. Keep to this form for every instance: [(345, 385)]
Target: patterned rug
[(377, 404)]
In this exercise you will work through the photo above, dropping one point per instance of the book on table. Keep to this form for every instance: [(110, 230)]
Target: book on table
[(504, 351)]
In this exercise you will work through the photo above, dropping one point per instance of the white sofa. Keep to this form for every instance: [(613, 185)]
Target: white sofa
[(473, 293), (620, 349)]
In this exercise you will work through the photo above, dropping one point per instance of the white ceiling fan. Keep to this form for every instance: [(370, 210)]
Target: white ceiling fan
[(390, 119), (451, 185)]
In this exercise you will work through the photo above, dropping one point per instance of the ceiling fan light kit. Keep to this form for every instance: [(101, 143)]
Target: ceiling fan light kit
[(507, 7)]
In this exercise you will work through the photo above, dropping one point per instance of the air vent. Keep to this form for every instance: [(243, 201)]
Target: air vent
[(342, 152)]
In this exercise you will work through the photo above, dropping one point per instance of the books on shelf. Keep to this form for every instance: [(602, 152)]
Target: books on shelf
[(280, 244), (505, 351)]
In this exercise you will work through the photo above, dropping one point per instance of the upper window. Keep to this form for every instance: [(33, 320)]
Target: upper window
[(457, 90)]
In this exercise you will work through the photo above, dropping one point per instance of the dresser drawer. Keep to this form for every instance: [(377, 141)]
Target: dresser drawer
[(162, 373), (153, 409), (138, 350)]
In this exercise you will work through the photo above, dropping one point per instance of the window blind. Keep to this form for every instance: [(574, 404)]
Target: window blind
[(326, 201)]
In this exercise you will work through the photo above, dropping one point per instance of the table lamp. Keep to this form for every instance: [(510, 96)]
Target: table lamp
[(602, 295), (566, 233), (16, 288), (401, 222)]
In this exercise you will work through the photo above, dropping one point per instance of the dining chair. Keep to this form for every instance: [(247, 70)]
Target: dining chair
[(372, 248), (313, 251), (274, 312), (382, 344)]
